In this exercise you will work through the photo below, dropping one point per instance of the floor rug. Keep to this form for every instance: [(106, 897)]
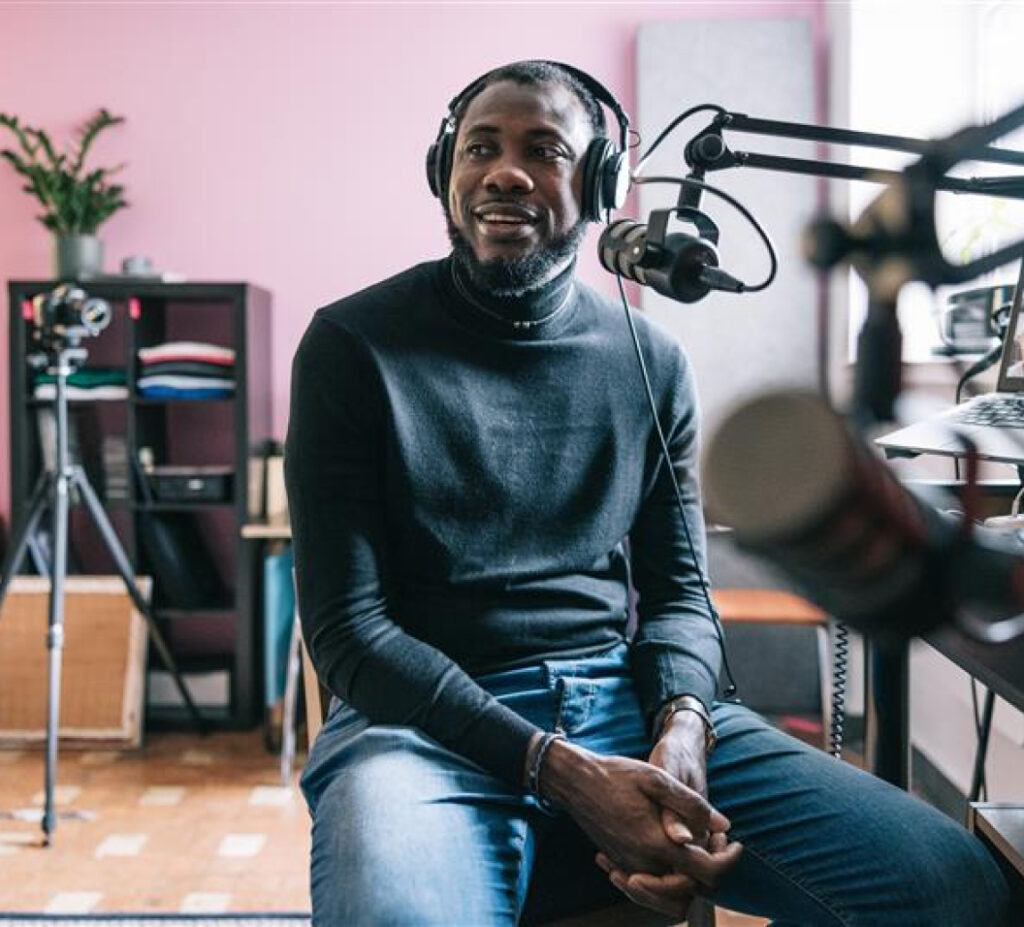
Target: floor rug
[(249, 919)]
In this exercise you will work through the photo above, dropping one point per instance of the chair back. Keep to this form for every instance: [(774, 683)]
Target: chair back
[(318, 698)]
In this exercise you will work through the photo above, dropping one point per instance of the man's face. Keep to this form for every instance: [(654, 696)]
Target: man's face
[(514, 194)]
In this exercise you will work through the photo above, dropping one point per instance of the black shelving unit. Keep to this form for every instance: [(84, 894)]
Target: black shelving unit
[(223, 633)]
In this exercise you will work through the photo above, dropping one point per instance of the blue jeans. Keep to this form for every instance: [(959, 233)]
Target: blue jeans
[(407, 832)]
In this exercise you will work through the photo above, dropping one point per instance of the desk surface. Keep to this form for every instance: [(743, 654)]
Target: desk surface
[(1003, 826), (1000, 667)]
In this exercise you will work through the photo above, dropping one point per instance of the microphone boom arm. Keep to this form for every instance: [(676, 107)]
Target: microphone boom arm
[(718, 156)]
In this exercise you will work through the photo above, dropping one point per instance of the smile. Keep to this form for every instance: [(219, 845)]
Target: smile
[(504, 214), (506, 221)]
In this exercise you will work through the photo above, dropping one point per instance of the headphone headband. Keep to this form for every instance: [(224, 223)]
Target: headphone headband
[(596, 88)]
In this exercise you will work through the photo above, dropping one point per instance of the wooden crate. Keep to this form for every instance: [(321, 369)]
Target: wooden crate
[(104, 665)]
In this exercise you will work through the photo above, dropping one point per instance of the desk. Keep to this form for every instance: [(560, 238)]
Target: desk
[(1000, 667)]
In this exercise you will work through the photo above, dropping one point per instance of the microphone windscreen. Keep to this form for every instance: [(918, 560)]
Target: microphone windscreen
[(794, 484), (621, 248)]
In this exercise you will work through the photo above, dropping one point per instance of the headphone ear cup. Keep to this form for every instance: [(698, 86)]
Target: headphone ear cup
[(439, 163), (445, 153), (432, 169), (598, 153), (615, 181)]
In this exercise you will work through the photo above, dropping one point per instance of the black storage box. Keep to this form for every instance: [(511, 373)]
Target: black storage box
[(190, 484)]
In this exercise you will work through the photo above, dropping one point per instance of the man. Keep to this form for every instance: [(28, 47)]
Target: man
[(469, 450)]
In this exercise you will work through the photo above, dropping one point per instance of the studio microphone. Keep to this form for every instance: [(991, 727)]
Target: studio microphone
[(680, 266), (798, 488)]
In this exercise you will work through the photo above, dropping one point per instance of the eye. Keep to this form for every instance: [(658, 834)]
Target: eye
[(550, 153), (478, 149)]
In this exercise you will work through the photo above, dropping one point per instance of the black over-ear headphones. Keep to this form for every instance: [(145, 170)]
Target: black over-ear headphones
[(605, 167)]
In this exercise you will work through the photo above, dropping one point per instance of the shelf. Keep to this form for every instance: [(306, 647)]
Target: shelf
[(170, 613), (33, 402), (194, 664), (196, 506), (177, 400), (220, 430)]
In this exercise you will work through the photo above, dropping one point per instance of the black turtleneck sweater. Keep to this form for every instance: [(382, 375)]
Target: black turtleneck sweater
[(463, 473)]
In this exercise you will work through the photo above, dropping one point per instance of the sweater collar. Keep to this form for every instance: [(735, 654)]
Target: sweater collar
[(536, 314)]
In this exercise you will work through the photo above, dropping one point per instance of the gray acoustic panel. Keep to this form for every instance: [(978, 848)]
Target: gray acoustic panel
[(743, 344)]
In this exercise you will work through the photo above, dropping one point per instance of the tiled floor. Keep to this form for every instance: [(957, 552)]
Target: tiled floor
[(187, 824)]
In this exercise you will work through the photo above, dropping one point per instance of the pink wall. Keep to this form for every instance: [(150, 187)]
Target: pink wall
[(283, 144)]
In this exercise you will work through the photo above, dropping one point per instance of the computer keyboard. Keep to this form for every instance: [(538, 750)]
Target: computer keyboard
[(999, 412)]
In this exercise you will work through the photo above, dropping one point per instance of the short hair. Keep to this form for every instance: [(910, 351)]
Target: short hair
[(534, 73)]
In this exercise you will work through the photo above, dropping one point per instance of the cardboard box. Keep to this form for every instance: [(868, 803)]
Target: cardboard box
[(104, 663)]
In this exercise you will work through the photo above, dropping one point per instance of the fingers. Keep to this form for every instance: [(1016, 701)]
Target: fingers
[(693, 808), (675, 828), (709, 867), (670, 894)]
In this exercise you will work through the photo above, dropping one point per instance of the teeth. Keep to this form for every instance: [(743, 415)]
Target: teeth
[(501, 217)]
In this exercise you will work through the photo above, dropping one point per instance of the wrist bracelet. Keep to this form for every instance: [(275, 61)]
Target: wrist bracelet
[(536, 763), (687, 703)]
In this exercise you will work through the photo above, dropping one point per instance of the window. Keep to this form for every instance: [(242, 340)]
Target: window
[(925, 72)]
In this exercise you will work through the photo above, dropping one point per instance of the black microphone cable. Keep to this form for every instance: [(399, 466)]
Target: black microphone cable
[(731, 688), (682, 117), (666, 458)]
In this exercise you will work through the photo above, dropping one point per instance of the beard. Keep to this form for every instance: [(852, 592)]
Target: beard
[(515, 277)]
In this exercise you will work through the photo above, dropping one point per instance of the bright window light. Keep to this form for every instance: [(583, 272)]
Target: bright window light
[(925, 76)]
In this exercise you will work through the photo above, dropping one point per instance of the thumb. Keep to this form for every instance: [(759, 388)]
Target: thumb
[(674, 827), (718, 823)]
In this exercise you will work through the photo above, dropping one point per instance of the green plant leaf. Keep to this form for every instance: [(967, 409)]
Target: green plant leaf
[(87, 135), (72, 204)]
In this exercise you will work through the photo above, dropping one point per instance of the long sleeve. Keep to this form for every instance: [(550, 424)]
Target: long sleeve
[(336, 474), (676, 649)]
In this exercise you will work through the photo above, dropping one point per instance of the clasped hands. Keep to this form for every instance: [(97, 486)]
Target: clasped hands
[(660, 841)]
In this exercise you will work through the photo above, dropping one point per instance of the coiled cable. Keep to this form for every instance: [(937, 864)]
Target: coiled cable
[(840, 661)]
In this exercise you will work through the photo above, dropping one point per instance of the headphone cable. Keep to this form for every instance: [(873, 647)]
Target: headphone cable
[(666, 459)]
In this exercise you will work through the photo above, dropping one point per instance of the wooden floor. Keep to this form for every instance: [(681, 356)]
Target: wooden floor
[(187, 824)]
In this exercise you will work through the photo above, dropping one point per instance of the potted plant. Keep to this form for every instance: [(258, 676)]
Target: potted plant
[(75, 201)]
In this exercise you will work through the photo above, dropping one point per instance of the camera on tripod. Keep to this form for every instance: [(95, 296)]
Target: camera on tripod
[(67, 314)]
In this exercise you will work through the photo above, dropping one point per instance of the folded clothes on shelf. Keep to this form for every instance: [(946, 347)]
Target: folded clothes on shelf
[(186, 351), (96, 383), (87, 377), (188, 369), (172, 392), (48, 392), (184, 387)]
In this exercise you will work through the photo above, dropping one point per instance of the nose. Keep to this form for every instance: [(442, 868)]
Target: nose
[(508, 176)]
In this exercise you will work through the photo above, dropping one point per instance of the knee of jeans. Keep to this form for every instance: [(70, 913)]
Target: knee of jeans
[(968, 878), (380, 771)]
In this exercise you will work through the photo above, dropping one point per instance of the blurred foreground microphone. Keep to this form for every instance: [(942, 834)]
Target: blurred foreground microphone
[(799, 489), (680, 266)]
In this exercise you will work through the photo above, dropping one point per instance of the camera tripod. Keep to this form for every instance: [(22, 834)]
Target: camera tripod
[(52, 493)]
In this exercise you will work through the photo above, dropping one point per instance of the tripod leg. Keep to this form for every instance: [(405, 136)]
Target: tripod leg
[(110, 538), (36, 508), (55, 647)]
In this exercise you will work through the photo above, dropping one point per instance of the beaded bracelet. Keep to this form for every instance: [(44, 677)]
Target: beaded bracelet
[(536, 762)]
